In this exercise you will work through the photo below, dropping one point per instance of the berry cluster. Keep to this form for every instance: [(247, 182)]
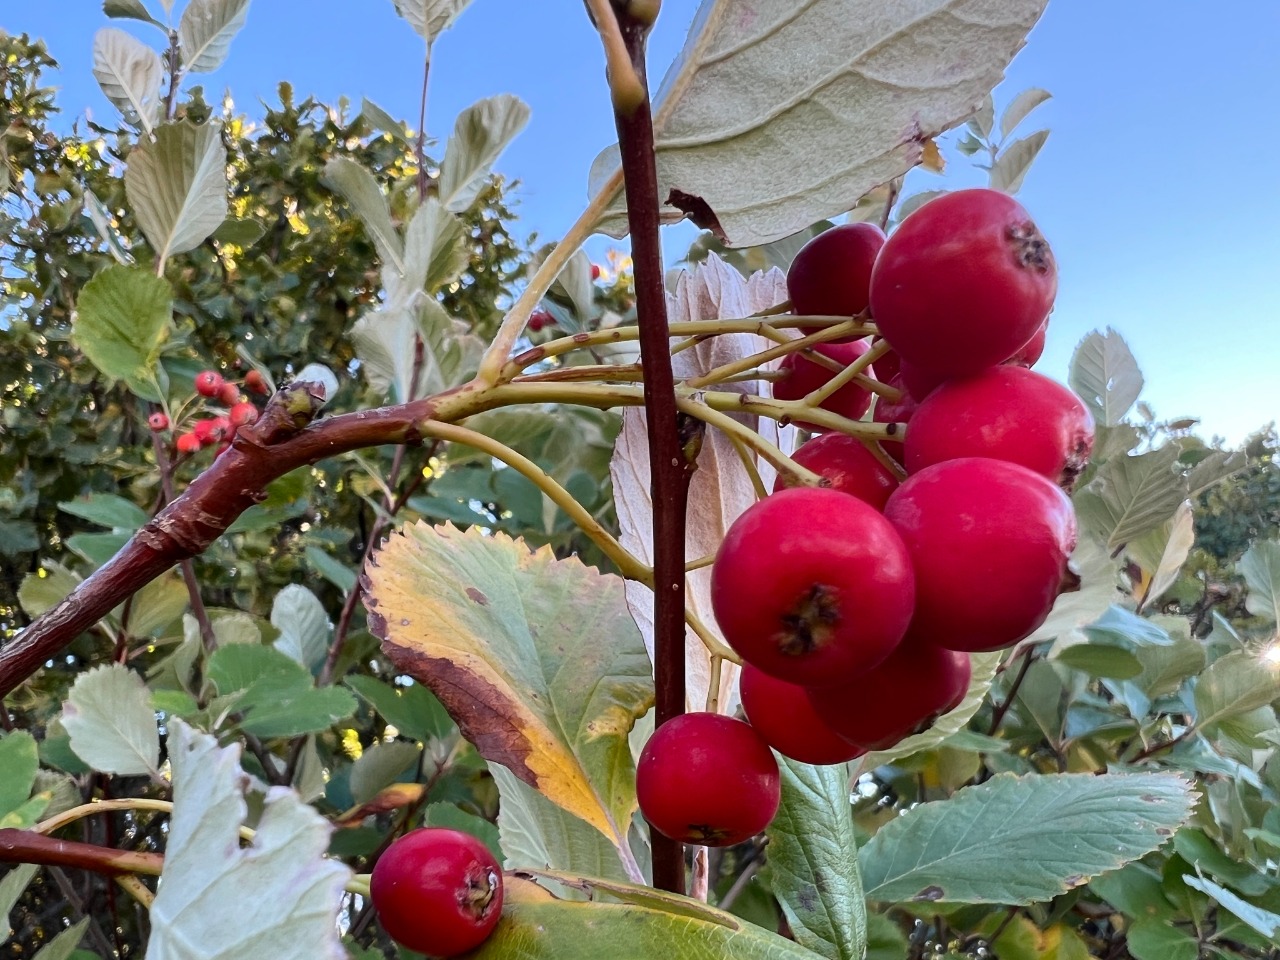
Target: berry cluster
[(220, 428), (855, 605)]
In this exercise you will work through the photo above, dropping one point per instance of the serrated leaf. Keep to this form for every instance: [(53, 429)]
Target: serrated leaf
[(380, 766), (177, 186), (19, 763), (813, 861), (12, 885), (1260, 567), (357, 185), (304, 627), (1131, 496), (1020, 106), (106, 510), (753, 101), (480, 134), (112, 726), (206, 30), (280, 889), (1233, 685), (430, 18), (1014, 162), (64, 944), (278, 697), (508, 639), (413, 709), (129, 10), (130, 74), (1106, 376), (1020, 840), (1264, 921), (122, 317)]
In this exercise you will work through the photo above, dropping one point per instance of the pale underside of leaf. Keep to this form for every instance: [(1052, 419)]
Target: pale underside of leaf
[(206, 30), (130, 74), (480, 134), (177, 186), (777, 114), (112, 726), (1106, 376), (430, 18)]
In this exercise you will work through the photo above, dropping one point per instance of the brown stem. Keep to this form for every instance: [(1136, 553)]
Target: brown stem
[(1001, 710), (420, 147), (670, 466), (1166, 745), (175, 75), (23, 846)]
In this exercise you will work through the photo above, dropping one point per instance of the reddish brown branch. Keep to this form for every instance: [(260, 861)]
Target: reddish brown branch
[(670, 466), (24, 846)]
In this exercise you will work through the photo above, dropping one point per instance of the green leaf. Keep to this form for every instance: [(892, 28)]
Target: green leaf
[(805, 95), (380, 766), (281, 891), (158, 605), (19, 763), (813, 861), (1264, 921), (1020, 106), (480, 134), (1160, 940), (430, 18), (1136, 890), (1260, 567), (12, 885), (112, 726), (447, 815), (122, 317), (278, 696), (1100, 660), (64, 944), (1022, 840), (885, 939), (206, 30), (18, 536), (45, 588), (1122, 626), (177, 186), (106, 510), (509, 640), (97, 548), (1164, 669), (336, 572), (1106, 376), (379, 119), (130, 74), (304, 627), (412, 709), (129, 10), (357, 185), (436, 250), (1132, 495), (241, 232), (1233, 685), (1195, 847), (1014, 162)]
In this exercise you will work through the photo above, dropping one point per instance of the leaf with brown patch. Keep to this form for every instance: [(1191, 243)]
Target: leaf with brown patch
[(536, 659)]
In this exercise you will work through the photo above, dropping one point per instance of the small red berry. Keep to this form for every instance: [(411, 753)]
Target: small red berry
[(211, 430), (782, 714), (158, 422), (919, 381), (595, 271), (188, 443), (707, 779), (242, 413), (255, 382), (1032, 350), (963, 283), (801, 376), (812, 586), (831, 274), (229, 395), (541, 319), (437, 891), (208, 383), (895, 411), (850, 467)]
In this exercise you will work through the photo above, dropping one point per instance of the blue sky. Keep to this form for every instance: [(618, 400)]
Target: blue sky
[(1153, 187)]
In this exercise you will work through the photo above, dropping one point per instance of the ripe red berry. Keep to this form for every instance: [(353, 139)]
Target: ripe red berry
[(158, 422), (831, 273), (208, 383), (902, 696), (595, 271), (989, 541), (540, 319), (963, 283), (707, 779), (211, 430), (919, 381), (802, 376), (1006, 413), (850, 467), (188, 443), (888, 365), (812, 586), (228, 395), (1032, 350), (895, 411), (437, 891), (783, 716), (242, 413), (255, 382)]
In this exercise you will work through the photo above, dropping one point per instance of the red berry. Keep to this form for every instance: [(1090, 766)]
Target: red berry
[(158, 422), (783, 716), (242, 413), (802, 376), (989, 541), (595, 271), (1006, 413), (208, 383), (541, 319), (255, 382), (831, 273), (707, 779), (887, 367), (963, 283), (228, 395), (812, 586), (1032, 350), (211, 430), (902, 696), (437, 891), (188, 443), (849, 465), (919, 381), (895, 411)]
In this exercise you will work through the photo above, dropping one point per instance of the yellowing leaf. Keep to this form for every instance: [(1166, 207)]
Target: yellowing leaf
[(535, 658)]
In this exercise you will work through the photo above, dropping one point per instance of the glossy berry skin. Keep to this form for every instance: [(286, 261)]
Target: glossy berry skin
[(848, 465), (255, 382), (229, 395), (919, 381), (437, 891), (895, 411), (963, 283), (801, 376), (540, 319), (902, 696), (989, 541), (707, 779), (242, 413), (831, 274), (158, 422), (208, 383), (783, 716), (812, 586), (1006, 413), (188, 443), (1030, 352)]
